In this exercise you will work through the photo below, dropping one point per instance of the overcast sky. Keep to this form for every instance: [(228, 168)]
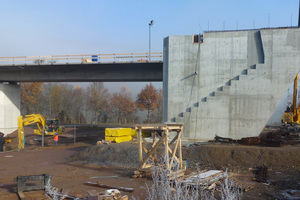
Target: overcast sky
[(54, 27)]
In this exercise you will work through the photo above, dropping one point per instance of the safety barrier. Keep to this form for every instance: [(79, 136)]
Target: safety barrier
[(82, 59)]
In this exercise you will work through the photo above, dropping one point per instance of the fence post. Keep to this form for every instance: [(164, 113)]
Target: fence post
[(74, 134), (43, 138)]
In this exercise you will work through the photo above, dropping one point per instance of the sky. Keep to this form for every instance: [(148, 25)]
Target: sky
[(60, 27)]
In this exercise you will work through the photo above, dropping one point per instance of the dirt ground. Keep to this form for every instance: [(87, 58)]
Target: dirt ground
[(70, 165)]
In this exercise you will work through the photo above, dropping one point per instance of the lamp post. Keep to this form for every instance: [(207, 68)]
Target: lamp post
[(150, 24)]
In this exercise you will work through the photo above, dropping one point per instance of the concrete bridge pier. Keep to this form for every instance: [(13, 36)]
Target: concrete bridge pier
[(9, 107)]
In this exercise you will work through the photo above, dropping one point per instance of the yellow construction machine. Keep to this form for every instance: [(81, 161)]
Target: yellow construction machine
[(290, 128), (44, 127), (292, 113)]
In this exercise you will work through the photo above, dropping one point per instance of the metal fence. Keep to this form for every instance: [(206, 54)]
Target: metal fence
[(81, 59)]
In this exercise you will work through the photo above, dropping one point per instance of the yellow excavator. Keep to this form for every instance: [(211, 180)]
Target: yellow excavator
[(44, 127), (292, 114)]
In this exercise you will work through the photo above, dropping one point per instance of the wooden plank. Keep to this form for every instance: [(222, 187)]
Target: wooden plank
[(174, 139), (92, 193), (152, 150), (146, 151), (140, 145), (180, 151), (166, 133), (174, 152), (21, 195), (144, 141), (98, 184)]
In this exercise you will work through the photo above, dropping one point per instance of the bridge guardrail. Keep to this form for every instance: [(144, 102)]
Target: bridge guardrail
[(83, 58)]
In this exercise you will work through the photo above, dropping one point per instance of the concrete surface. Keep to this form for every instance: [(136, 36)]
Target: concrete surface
[(10, 107), (230, 84)]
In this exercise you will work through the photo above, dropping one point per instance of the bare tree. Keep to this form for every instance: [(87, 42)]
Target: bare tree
[(77, 105), (31, 96), (122, 106), (97, 101), (147, 99), (156, 115)]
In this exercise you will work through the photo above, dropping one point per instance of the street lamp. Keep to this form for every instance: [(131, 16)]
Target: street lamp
[(150, 24)]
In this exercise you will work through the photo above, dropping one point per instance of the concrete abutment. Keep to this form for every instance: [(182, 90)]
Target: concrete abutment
[(241, 78)]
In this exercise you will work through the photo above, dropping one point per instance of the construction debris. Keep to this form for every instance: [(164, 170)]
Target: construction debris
[(103, 142), (250, 141), (287, 194), (112, 194), (206, 180), (276, 138), (98, 184), (52, 192), (213, 178), (244, 185), (148, 172), (23, 187), (224, 140), (261, 174)]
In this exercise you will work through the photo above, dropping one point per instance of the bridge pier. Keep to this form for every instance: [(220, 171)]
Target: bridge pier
[(9, 106)]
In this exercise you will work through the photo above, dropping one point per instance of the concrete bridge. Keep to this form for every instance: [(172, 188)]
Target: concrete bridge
[(132, 67), (225, 83)]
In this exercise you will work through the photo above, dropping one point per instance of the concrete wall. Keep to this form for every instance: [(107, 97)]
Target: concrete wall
[(230, 84), (10, 107)]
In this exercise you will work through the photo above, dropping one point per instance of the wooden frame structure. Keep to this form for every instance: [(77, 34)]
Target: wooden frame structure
[(148, 151)]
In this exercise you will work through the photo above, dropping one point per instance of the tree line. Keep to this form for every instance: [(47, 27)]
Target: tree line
[(91, 105)]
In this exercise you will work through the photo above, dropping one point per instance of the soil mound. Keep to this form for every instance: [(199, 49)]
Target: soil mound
[(212, 156), (124, 155), (239, 157)]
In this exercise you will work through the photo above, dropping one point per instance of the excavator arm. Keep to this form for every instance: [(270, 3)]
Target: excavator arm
[(294, 105), (27, 120), (292, 115)]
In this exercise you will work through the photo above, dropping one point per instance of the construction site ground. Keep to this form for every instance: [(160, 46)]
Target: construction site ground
[(71, 164)]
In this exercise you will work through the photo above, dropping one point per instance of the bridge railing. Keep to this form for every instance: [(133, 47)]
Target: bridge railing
[(82, 59)]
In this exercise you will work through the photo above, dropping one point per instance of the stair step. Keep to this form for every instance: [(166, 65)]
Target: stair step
[(251, 71), (243, 77), (226, 89), (234, 83), (204, 99), (228, 83), (211, 98), (236, 78), (196, 104), (244, 72), (220, 88), (212, 94), (188, 109), (181, 114), (252, 67)]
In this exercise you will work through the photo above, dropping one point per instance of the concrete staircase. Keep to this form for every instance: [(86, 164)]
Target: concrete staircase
[(212, 101)]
